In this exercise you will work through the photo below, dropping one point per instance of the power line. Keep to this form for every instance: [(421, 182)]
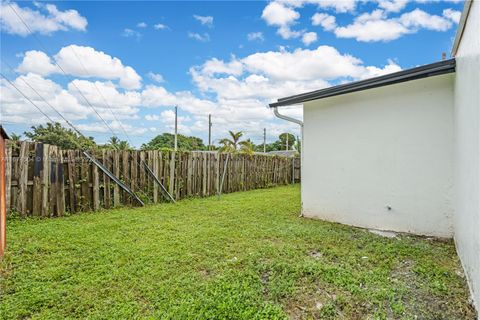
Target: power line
[(54, 61), (51, 120), (38, 94), (33, 103), (101, 95)]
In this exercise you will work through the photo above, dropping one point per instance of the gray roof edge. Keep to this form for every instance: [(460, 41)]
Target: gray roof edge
[(428, 70), (3, 133), (461, 26)]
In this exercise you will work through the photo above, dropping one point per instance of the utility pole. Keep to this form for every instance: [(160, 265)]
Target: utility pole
[(209, 131), (176, 128), (264, 140), (287, 140)]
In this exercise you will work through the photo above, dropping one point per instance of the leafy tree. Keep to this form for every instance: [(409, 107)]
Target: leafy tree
[(166, 141), (287, 141), (55, 134), (231, 144)]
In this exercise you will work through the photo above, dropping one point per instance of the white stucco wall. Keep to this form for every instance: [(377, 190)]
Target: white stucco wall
[(389, 146), (467, 151)]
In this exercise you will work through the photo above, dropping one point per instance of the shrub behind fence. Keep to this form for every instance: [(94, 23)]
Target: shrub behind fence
[(43, 180)]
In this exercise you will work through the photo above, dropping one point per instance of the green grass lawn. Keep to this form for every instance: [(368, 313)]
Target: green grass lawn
[(245, 256)]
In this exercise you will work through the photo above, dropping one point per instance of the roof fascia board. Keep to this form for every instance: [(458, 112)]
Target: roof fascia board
[(433, 69), (461, 26)]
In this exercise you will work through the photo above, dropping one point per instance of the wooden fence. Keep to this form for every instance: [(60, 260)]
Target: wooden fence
[(43, 180)]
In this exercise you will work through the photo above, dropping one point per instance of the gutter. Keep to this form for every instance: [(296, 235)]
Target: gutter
[(287, 118)]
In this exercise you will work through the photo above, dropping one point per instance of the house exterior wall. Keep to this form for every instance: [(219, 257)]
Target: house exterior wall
[(386, 147), (467, 151)]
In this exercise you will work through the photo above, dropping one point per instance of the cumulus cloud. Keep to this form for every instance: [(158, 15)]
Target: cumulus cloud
[(204, 20), (377, 26), (127, 32), (279, 15), (255, 36), (328, 22), (160, 26), (93, 64), (235, 91), (46, 20), (107, 100), (141, 25), (199, 37), (17, 109), (453, 15), (156, 77), (308, 38)]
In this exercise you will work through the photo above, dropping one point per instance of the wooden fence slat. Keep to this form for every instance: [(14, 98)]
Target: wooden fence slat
[(8, 176), (22, 179), (96, 188), (172, 174), (116, 172), (61, 185)]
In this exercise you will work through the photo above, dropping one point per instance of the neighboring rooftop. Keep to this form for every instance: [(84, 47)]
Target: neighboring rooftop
[(428, 70), (284, 153), (3, 133)]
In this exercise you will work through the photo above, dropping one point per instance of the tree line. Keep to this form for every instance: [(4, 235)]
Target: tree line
[(56, 134)]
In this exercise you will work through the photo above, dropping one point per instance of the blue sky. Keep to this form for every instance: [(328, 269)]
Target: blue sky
[(135, 60)]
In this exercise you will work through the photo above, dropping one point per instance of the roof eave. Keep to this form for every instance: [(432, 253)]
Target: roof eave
[(3, 133), (437, 68), (461, 27)]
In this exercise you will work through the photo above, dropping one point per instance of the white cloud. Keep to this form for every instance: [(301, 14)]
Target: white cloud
[(235, 92), (392, 5), (97, 63), (420, 19), (110, 103), (255, 36), (453, 15), (160, 26), (156, 77), (38, 62), (277, 14), (117, 127), (327, 21), (131, 33), (308, 38), (199, 37), (152, 117), (46, 22), (167, 117), (141, 25), (205, 20), (336, 5), (18, 109), (376, 26)]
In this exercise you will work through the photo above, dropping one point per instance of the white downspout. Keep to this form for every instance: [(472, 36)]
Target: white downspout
[(300, 123), (284, 117)]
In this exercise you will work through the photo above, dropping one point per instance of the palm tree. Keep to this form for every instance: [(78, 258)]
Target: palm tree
[(230, 145), (15, 137), (247, 147), (113, 142), (123, 145)]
